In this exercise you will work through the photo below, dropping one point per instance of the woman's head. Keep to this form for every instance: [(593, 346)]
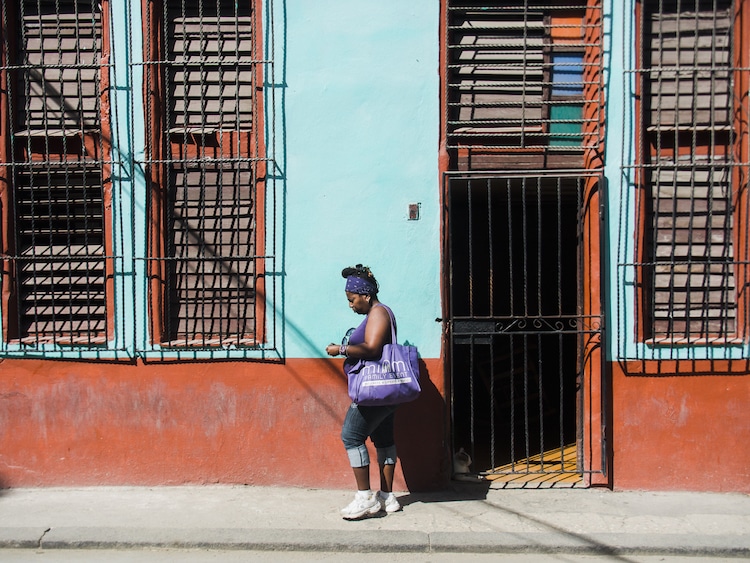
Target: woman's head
[(359, 280), (361, 288)]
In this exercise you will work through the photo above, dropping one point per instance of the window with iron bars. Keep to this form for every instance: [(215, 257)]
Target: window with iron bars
[(205, 172), (206, 166), (523, 84), (691, 171), (55, 173)]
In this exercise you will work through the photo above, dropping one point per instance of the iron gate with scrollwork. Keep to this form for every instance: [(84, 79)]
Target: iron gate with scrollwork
[(520, 328)]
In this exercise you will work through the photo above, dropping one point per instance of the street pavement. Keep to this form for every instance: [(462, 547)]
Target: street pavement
[(465, 518)]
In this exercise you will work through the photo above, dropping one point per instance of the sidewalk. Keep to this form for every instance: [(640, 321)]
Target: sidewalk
[(468, 518)]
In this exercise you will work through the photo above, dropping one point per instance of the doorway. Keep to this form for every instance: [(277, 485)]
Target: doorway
[(518, 335)]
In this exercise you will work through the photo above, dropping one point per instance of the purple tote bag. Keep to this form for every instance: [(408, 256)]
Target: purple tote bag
[(391, 380)]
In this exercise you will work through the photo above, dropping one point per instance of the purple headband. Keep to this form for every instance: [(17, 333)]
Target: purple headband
[(361, 286)]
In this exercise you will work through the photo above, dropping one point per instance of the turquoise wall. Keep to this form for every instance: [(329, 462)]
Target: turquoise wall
[(619, 131), (357, 123), (352, 122)]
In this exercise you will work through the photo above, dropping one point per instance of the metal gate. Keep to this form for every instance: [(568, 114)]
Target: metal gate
[(521, 322)]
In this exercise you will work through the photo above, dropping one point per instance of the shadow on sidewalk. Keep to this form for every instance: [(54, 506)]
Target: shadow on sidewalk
[(457, 491), (468, 491)]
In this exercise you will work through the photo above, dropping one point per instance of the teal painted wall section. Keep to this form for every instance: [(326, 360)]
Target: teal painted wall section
[(357, 127), (619, 131)]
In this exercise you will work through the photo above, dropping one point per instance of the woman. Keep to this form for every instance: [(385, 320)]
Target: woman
[(366, 342)]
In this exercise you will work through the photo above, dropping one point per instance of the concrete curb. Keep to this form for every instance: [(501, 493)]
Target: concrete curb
[(369, 541), (11, 538), (602, 544), (235, 539)]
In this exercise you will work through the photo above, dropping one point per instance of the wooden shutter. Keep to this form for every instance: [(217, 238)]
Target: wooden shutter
[(208, 89), (516, 84), (689, 134), (213, 245), (213, 178), (496, 80), (58, 183)]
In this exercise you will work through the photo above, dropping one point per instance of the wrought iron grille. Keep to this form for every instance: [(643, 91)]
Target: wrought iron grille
[(73, 231), (208, 173), (55, 161), (690, 173), (519, 330), (524, 83)]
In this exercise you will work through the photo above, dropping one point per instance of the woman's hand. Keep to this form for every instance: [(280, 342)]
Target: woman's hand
[(333, 349)]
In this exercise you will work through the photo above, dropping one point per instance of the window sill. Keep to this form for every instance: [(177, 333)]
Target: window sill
[(711, 341), (223, 343)]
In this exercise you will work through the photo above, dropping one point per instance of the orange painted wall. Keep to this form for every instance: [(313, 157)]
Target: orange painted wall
[(75, 423), (681, 433)]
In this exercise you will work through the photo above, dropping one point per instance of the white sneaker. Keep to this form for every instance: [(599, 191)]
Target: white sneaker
[(365, 502), (388, 502)]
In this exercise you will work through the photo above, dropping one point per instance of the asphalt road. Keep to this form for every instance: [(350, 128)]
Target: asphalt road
[(200, 556)]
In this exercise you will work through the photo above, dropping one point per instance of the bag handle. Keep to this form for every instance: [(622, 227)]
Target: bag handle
[(394, 340)]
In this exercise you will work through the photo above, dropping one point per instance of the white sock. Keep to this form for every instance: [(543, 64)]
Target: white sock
[(364, 494)]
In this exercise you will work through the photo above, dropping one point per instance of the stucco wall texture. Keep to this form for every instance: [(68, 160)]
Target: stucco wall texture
[(242, 423)]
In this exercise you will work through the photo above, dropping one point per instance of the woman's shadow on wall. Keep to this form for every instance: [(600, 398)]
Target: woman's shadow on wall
[(423, 441), (4, 486)]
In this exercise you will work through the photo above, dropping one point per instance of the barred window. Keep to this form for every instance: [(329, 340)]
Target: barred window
[(520, 78), (690, 170), (54, 173), (207, 172)]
